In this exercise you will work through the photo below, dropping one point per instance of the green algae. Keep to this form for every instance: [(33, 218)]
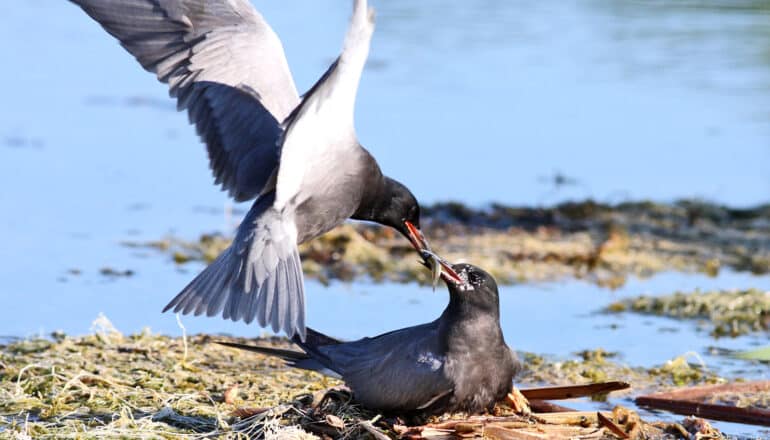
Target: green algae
[(603, 244), (725, 312), (589, 366), (759, 354)]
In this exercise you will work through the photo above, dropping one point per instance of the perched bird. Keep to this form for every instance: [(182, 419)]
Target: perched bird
[(459, 362), (299, 159)]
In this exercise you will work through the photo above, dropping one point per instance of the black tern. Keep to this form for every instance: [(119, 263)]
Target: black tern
[(298, 157), (459, 362)]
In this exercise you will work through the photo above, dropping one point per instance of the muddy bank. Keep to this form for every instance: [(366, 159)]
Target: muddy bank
[(600, 243)]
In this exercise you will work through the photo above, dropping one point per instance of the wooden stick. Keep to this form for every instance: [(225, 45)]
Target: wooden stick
[(541, 406), (572, 391), (687, 401), (578, 418), (500, 433), (752, 416), (609, 424), (702, 391)]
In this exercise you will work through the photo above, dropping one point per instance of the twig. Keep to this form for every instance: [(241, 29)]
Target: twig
[(572, 391), (19, 391), (184, 337), (609, 424)]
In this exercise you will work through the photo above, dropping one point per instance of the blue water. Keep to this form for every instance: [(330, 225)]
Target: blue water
[(471, 101), (475, 103)]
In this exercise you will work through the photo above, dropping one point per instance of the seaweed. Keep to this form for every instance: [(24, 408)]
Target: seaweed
[(603, 244), (725, 312)]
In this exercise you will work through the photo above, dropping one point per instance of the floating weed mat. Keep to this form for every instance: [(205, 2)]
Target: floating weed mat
[(592, 366), (108, 385), (723, 312), (600, 243)]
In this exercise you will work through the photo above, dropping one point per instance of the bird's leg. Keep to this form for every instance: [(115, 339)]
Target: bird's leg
[(518, 402), (341, 392)]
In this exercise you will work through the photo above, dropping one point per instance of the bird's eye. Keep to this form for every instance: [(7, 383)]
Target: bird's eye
[(474, 278)]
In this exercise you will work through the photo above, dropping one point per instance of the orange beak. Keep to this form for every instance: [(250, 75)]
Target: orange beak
[(430, 259), (448, 274), (415, 236)]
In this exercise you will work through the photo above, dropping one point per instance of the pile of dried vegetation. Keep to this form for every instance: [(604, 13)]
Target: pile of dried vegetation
[(151, 386)]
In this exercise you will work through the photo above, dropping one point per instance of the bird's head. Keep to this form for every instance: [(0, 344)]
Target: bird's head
[(397, 207), (469, 284), (392, 204)]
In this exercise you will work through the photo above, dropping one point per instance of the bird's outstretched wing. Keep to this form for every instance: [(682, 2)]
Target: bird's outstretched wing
[(321, 128), (225, 65)]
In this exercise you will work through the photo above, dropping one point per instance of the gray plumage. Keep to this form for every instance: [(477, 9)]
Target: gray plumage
[(459, 362), (300, 160), (225, 66), (260, 248)]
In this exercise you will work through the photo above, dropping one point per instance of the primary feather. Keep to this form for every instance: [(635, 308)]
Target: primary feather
[(225, 66)]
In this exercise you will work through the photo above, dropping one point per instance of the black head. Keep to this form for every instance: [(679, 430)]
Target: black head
[(400, 208), (394, 205), (473, 286)]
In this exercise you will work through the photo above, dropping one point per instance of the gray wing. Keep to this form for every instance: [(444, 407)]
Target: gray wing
[(322, 126), (401, 370), (258, 277), (225, 65)]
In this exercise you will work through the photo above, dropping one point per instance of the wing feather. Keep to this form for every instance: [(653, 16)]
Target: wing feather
[(323, 121), (225, 66)]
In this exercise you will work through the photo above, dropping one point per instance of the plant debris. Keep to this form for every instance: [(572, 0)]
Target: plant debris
[(725, 312), (734, 402), (115, 273), (600, 243), (592, 366), (111, 385)]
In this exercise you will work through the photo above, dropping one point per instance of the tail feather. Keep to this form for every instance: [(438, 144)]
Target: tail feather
[(282, 353), (312, 344), (258, 277), (315, 338), (293, 358)]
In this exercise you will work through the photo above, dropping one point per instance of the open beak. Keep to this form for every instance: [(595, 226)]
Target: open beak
[(441, 269), (416, 238)]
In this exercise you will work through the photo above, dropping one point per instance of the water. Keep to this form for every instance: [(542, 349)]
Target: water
[(489, 101), (475, 103)]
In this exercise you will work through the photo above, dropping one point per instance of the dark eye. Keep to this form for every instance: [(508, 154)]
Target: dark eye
[(475, 279)]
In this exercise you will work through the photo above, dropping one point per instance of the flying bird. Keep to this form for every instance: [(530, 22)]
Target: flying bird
[(298, 158), (459, 362)]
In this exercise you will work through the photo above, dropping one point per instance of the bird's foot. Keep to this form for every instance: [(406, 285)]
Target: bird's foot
[(341, 393), (518, 403)]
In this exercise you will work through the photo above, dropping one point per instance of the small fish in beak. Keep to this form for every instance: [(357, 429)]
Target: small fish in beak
[(440, 268)]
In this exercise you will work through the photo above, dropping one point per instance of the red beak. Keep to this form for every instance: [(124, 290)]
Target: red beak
[(416, 237), (449, 274), (421, 244)]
